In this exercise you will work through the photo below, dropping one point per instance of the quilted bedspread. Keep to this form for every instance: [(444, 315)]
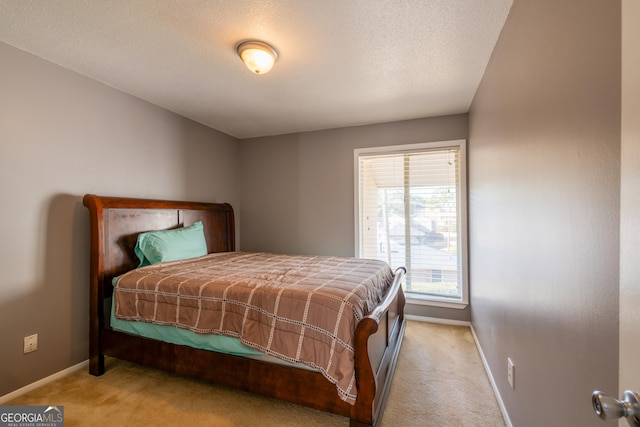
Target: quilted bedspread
[(302, 309)]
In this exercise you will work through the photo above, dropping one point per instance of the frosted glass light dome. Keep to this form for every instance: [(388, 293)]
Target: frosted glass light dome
[(258, 56)]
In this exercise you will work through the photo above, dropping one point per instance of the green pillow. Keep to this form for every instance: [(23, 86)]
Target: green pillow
[(154, 247)]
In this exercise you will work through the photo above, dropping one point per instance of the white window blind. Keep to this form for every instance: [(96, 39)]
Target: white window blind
[(411, 212)]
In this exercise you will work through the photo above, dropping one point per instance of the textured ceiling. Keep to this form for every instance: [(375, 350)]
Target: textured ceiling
[(341, 62)]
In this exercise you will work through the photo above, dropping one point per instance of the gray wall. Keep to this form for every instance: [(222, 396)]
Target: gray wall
[(544, 152), (298, 189), (63, 135)]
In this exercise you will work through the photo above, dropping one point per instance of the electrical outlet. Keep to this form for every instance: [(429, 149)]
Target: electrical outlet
[(511, 372), (30, 343)]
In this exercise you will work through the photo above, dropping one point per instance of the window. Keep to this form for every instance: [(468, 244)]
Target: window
[(411, 212), (436, 276)]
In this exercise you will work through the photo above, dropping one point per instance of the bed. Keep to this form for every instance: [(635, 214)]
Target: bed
[(116, 224)]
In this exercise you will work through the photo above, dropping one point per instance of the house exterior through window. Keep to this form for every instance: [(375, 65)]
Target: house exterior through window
[(411, 212)]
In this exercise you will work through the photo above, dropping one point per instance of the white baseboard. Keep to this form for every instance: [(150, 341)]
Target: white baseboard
[(503, 409), (7, 397), (437, 320)]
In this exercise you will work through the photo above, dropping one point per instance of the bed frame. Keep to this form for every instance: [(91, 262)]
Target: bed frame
[(115, 224)]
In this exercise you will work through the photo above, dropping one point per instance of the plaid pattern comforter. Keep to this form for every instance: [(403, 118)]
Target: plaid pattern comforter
[(301, 309)]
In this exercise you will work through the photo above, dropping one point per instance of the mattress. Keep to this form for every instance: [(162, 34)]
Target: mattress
[(300, 309), (218, 343)]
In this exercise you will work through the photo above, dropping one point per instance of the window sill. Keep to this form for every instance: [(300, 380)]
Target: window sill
[(435, 301)]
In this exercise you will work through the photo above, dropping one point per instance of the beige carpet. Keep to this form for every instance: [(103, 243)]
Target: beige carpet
[(439, 382)]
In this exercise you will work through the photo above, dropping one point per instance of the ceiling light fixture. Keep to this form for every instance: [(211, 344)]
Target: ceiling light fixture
[(258, 56)]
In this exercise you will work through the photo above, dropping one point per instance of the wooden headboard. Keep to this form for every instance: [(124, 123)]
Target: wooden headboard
[(117, 221)]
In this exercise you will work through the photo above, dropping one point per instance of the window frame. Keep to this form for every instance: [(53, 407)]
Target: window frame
[(461, 144)]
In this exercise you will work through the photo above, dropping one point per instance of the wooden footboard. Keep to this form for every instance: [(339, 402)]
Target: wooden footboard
[(378, 340), (115, 224)]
